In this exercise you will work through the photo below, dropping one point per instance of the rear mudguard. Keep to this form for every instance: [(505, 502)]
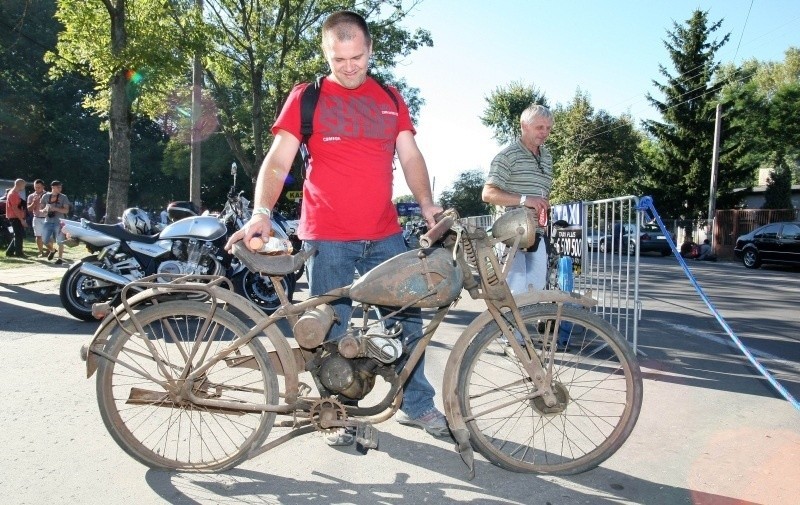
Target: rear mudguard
[(287, 360), (450, 384)]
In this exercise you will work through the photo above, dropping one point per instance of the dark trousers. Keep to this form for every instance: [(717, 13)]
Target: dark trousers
[(15, 247)]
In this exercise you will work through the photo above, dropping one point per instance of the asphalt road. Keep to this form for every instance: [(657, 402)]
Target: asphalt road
[(711, 430)]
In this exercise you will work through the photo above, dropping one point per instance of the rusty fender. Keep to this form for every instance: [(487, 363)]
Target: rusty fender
[(288, 362), (450, 384)]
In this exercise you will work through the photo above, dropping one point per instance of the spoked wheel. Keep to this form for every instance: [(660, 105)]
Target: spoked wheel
[(259, 289), (142, 392), (596, 382)]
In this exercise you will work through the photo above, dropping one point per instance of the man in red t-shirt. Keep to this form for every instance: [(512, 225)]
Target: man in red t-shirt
[(347, 211), (15, 213)]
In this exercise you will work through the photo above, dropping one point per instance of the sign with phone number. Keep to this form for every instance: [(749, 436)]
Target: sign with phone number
[(568, 242)]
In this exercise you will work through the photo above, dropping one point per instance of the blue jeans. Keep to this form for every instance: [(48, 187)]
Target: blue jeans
[(333, 266)]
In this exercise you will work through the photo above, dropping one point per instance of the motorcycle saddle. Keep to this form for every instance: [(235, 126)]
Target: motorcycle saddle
[(282, 264), (121, 233)]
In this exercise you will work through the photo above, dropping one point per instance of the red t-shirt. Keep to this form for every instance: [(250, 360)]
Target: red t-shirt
[(347, 194)]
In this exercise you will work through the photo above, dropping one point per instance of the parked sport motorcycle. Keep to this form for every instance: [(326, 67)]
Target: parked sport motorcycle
[(192, 245)]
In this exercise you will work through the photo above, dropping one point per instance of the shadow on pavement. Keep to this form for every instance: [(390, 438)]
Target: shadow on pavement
[(491, 484), (44, 308)]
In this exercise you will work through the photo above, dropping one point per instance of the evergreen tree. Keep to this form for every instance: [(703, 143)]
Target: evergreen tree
[(681, 173)]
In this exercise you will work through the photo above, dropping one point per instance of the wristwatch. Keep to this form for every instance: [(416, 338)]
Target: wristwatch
[(522, 199)]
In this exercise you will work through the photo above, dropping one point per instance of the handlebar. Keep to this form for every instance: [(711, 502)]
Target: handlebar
[(446, 220)]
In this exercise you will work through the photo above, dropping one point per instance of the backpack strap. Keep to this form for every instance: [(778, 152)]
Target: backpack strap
[(308, 104)]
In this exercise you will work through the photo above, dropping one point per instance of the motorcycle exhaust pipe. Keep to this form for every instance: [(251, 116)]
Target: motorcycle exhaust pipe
[(104, 275)]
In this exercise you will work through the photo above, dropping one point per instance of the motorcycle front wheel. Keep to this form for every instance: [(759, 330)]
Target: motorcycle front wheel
[(260, 290), (595, 377), (78, 291)]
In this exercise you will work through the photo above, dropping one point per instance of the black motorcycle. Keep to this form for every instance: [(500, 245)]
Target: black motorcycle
[(191, 245)]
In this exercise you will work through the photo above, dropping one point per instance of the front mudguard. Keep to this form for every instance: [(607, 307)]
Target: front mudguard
[(455, 420), (286, 358)]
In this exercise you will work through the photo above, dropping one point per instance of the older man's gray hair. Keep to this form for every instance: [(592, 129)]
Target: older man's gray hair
[(533, 111)]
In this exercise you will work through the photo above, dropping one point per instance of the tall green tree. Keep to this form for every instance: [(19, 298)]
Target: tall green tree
[(504, 106), (44, 131), (681, 175), (136, 53), (762, 103), (596, 155), (465, 195), (262, 48)]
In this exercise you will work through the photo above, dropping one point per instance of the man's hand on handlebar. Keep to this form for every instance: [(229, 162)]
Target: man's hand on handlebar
[(258, 225), (428, 212)]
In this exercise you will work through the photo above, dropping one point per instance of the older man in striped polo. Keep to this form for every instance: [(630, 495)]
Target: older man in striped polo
[(521, 175)]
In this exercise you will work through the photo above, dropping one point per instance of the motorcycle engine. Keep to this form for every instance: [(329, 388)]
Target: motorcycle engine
[(352, 378), (192, 258), (355, 359)]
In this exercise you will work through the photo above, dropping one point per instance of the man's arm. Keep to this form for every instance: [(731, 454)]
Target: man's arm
[(271, 175), (416, 173), (496, 196)]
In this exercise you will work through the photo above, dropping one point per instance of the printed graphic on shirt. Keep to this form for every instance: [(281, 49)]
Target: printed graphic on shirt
[(356, 118)]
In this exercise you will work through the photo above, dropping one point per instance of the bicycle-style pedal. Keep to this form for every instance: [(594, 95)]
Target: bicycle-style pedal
[(366, 437)]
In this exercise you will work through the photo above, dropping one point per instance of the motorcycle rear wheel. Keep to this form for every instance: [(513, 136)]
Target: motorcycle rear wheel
[(162, 431), (78, 291), (260, 290), (597, 384)]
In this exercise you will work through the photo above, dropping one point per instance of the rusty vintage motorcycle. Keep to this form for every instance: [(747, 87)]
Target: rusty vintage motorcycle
[(204, 384)]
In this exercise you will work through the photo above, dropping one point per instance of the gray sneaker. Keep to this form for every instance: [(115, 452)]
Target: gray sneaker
[(431, 421)]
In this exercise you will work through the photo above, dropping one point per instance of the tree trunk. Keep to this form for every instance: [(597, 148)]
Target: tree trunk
[(119, 131), (258, 119)]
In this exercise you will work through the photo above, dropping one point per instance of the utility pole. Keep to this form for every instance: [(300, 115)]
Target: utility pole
[(712, 193), (196, 137)]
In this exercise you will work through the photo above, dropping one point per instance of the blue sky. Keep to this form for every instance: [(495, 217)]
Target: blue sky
[(610, 49)]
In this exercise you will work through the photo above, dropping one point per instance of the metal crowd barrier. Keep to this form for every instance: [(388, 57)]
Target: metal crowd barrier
[(605, 267), (609, 266)]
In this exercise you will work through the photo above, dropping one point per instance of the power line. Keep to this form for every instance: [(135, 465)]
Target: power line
[(743, 28)]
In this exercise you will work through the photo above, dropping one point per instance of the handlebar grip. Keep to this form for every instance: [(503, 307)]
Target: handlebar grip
[(435, 233)]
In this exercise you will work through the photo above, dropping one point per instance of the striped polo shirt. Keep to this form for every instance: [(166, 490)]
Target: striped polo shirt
[(517, 170)]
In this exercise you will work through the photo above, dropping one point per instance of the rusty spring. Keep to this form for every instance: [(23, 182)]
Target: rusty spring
[(472, 259)]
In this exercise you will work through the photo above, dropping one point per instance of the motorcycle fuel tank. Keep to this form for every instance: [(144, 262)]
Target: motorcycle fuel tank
[(198, 227), (427, 278)]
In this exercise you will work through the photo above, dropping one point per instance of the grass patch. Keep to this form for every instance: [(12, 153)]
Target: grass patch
[(71, 254)]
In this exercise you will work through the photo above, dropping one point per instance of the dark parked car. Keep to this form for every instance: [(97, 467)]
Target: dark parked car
[(771, 243), (651, 239)]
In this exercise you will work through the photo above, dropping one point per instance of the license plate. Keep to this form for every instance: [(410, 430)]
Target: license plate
[(661, 237)]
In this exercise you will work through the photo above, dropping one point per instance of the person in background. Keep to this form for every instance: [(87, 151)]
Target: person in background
[(15, 213), (164, 217), (55, 204), (34, 201), (705, 253), (348, 215), (521, 175)]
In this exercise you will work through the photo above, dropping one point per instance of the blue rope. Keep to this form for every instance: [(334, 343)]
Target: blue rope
[(646, 206)]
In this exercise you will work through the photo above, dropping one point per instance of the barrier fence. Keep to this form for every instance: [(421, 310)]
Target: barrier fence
[(602, 238)]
